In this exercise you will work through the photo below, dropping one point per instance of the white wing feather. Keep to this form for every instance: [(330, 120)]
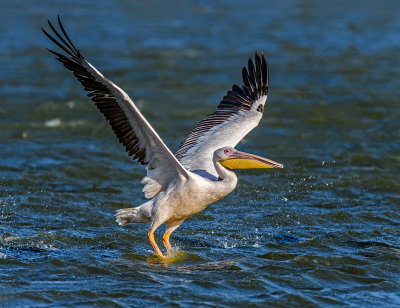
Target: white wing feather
[(237, 114), (199, 157), (132, 129)]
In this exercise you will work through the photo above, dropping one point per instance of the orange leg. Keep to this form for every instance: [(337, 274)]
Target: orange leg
[(154, 244), (166, 240)]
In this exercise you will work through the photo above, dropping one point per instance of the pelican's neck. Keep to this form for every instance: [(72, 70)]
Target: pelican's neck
[(223, 173), (227, 180)]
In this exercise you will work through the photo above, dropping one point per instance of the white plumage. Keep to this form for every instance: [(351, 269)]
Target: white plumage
[(177, 186), (198, 158)]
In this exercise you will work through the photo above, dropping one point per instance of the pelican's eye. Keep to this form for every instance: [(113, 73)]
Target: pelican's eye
[(227, 152)]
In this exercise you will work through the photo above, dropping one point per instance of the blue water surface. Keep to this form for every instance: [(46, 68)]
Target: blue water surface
[(323, 232)]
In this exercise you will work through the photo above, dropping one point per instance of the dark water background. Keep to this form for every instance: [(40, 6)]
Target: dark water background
[(323, 232)]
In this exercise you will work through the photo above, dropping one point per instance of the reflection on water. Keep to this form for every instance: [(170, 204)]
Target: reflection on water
[(323, 231)]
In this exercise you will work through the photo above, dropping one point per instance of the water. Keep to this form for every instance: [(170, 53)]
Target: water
[(323, 232)]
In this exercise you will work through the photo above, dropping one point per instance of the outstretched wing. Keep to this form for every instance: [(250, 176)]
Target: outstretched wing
[(129, 125), (236, 115)]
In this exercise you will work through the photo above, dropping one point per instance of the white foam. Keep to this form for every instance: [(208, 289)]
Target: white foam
[(53, 122)]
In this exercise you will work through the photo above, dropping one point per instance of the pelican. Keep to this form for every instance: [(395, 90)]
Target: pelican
[(181, 185)]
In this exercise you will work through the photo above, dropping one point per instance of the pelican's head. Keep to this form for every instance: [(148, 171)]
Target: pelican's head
[(234, 159)]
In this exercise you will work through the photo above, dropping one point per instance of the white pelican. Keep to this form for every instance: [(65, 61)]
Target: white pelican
[(181, 185)]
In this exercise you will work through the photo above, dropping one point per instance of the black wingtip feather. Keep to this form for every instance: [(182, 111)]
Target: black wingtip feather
[(245, 77), (252, 78), (265, 73), (67, 37), (100, 94), (258, 73), (256, 80), (240, 99)]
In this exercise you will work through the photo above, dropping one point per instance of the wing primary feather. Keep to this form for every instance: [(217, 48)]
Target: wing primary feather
[(238, 89), (265, 73), (245, 77), (233, 107), (252, 78), (258, 74), (57, 43), (61, 38), (107, 105), (67, 37), (133, 131)]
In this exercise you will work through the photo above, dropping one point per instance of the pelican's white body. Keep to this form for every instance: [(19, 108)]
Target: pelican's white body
[(184, 197), (181, 185)]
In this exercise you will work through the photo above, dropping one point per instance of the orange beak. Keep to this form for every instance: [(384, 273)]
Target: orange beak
[(241, 160)]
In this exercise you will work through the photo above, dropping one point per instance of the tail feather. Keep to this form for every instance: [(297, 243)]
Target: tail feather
[(131, 215)]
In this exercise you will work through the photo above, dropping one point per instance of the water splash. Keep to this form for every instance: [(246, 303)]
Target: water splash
[(174, 255)]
